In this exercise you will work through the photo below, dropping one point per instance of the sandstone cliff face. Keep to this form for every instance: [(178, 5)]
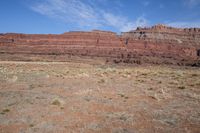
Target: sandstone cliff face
[(167, 42), (158, 44), (162, 33)]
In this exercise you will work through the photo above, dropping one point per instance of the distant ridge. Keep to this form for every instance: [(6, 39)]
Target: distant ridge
[(158, 44)]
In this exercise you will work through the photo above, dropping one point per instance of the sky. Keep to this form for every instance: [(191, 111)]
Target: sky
[(59, 16)]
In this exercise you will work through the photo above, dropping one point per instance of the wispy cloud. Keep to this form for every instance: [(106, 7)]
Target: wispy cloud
[(191, 3), (184, 24), (86, 13), (145, 3), (73, 11), (161, 6), (122, 23)]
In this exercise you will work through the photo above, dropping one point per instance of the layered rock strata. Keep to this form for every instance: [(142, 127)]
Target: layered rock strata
[(158, 44)]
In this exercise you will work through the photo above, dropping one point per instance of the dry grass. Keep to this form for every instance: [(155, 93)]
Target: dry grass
[(57, 102), (77, 97)]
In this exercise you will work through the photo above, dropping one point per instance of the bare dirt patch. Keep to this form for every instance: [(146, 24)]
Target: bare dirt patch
[(75, 97)]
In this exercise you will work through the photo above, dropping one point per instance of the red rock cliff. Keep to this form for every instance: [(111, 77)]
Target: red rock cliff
[(157, 44)]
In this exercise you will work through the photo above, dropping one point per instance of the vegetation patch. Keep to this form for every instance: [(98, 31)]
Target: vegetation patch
[(4, 111), (31, 125), (101, 81), (56, 102), (182, 87)]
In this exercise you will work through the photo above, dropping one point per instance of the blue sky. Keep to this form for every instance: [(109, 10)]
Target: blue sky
[(58, 16)]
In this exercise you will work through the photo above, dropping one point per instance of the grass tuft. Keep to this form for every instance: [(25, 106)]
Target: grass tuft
[(56, 102), (6, 110), (101, 81), (195, 75), (31, 125), (182, 87)]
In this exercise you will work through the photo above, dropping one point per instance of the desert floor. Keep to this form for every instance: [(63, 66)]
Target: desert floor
[(57, 97)]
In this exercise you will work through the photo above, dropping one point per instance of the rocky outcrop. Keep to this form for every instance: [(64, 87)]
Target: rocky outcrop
[(162, 33), (157, 44)]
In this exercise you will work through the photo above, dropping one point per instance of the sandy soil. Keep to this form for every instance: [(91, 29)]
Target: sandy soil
[(45, 97)]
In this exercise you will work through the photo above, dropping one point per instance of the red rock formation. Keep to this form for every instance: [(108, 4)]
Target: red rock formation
[(158, 44)]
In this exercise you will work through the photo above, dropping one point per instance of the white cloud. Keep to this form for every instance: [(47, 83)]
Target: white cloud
[(140, 22), (86, 13), (122, 23), (73, 11)]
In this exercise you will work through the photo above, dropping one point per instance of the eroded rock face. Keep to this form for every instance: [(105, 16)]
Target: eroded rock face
[(158, 44)]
